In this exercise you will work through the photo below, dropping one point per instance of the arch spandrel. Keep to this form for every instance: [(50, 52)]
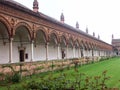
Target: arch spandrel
[(77, 43), (56, 35), (87, 45), (24, 24), (6, 23), (82, 44), (64, 39), (70, 42), (66, 36), (44, 30), (90, 44)]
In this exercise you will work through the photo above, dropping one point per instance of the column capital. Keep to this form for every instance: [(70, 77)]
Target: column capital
[(58, 44), (47, 43), (11, 38), (73, 46), (32, 54), (32, 41), (46, 46)]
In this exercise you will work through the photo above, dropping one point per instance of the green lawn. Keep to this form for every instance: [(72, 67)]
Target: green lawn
[(113, 70), (112, 66)]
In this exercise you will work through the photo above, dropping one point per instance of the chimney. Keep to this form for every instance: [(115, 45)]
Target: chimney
[(77, 25), (93, 34), (86, 29), (112, 36), (62, 18), (98, 37), (35, 6)]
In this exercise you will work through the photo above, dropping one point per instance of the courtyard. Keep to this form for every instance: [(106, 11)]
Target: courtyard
[(106, 70)]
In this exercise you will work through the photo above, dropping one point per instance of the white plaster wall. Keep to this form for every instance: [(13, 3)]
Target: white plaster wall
[(60, 54), (15, 52), (94, 52), (76, 52), (84, 53), (102, 53), (70, 52), (4, 53), (52, 52), (87, 53), (90, 53), (39, 53), (97, 53), (65, 52), (79, 53), (28, 51)]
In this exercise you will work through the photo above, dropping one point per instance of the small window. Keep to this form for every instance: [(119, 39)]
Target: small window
[(26, 56)]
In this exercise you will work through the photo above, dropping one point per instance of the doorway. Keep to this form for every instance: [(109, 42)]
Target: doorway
[(63, 54), (22, 55)]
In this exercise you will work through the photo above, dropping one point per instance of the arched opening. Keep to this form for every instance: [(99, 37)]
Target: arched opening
[(77, 49), (53, 47), (82, 49), (90, 49), (40, 46), (70, 48), (95, 50), (21, 44), (4, 43), (63, 47), (87, 49)]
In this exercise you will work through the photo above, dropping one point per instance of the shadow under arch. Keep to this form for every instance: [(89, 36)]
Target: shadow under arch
[(26, 26)]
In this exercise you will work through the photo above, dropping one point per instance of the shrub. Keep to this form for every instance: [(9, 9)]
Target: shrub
[(61, 82), (16, 77)]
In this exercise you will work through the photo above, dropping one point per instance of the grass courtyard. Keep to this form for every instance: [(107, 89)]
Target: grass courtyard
[(111, 66)]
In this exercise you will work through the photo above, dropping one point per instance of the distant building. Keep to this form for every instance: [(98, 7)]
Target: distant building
[(116, 45)]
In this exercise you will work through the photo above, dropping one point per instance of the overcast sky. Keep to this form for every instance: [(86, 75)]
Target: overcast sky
[(100, 16)]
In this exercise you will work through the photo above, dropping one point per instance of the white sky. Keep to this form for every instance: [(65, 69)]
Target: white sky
[(100, 16)]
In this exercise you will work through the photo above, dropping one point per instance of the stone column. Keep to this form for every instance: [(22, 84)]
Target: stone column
[(58, 51), (78, 52), (47, 54), (82, 54), (104, 53), (73, 51), (67, 51), (92, 53), (10, 50), (32, 51), (98, 52), (87, 53)]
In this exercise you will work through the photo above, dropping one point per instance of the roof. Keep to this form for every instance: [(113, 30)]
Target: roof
[(14, 2), (23, 8), (116, 40)]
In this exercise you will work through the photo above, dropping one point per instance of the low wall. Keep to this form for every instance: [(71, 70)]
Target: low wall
[(29, 68)]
